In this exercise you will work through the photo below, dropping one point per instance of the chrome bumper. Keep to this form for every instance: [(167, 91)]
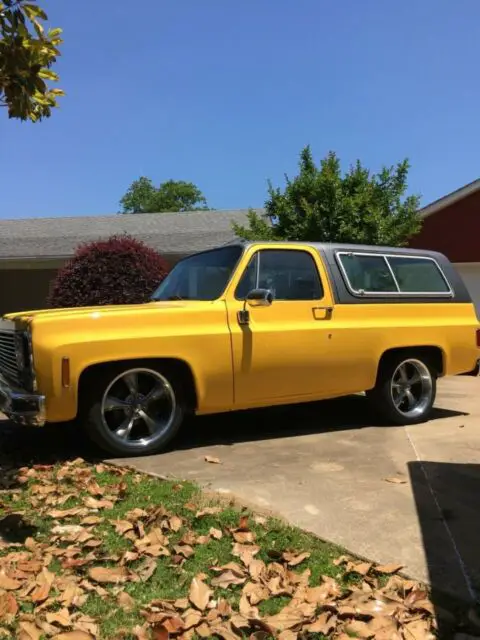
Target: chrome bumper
[(21, 406)]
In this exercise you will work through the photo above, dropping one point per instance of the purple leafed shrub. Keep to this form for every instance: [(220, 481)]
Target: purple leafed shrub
[(120, 270)]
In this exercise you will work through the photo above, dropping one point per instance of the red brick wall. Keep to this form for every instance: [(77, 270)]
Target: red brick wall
[(454, 231)]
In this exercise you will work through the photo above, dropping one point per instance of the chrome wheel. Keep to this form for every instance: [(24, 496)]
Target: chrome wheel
[(411, 388), (138, 407)]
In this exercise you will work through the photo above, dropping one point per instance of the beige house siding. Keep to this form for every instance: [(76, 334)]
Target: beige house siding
[(22, 289)]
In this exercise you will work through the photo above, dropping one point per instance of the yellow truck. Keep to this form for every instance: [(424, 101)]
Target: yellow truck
[(243, 326)]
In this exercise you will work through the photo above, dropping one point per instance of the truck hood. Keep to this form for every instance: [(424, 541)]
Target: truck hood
[(99, 311)]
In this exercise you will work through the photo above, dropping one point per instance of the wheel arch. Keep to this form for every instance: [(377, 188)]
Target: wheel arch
[(182, 370), (435, 356)]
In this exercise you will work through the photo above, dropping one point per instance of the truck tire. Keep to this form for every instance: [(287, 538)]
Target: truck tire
[(405, 390), (133, 410)]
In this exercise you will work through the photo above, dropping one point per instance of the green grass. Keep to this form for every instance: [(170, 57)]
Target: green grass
[(169, 582)]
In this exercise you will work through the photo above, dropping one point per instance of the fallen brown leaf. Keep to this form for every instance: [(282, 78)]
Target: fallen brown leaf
[(44, 584), (243, 537), (324, 624), (203, 630), (122, 526), (285, 619), (141, 632), (418, 630), (362, 568), (93, 503), (86, 624), (396, 480), (73, 635), (95, 489), (358, 629), (216, 533), (29, 631), (61, 617), (246, 552), (246, 609), (184, 550), (68, 513), (159, 632), (9, 584), (191, 619), (212, 460), (255, 593), (199, 594), (227, 578), (72, 596), (208, 511), (8, 607), (91, 520), (146, 569), (293, 559), (175, 523), (108, 574), (388, 569), (126, 602)]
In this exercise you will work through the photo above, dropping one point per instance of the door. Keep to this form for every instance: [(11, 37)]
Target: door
[(283, 352)]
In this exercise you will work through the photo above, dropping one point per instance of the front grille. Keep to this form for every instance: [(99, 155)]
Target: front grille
[(8, 357)]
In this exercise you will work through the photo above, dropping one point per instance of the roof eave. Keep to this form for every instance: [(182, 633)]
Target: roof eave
[(451, 198)]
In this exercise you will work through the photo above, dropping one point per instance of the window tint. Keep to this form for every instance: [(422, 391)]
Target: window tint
[(417, 275), (368, 273), (290, 275), (202, 276), (393, 274)]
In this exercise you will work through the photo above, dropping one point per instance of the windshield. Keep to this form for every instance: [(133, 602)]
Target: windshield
[(203, 276)]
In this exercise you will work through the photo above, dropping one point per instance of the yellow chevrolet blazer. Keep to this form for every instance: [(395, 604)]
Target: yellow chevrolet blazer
[(245, 326)]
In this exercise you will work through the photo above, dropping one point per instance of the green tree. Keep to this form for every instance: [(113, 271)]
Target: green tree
[(173, 195), (26, 55), (321, 204)]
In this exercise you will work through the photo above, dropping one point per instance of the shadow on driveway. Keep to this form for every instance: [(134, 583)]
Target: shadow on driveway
[(340, 414), (20, 446), (447, 498)]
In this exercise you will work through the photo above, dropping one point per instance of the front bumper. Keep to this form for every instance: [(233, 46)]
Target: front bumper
[(21, 406)]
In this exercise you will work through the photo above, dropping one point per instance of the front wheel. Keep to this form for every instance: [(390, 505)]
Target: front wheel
[(405, 390), (132, 411)]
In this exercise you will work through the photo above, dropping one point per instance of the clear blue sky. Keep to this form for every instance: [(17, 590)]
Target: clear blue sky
[(225, 93)]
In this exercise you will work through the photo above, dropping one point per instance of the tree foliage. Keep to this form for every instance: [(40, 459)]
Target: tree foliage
[(27, 54), (120, 270), (173, 195), (321, 204)]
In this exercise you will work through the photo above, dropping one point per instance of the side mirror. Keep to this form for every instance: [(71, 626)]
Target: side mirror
[(256, 298), (259, 298)]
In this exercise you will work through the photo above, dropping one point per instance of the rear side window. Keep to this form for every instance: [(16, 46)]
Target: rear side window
[(368, 273), (383, 274), (418, 275)]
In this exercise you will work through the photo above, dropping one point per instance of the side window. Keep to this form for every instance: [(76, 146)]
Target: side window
[(418, 275), (248, 281), (368, 273), (289, 274)]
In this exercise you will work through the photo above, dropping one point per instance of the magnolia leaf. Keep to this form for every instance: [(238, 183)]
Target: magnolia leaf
[(106, 575), (199, 594)]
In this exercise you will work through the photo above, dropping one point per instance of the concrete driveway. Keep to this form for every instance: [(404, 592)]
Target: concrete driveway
[(407, 495)]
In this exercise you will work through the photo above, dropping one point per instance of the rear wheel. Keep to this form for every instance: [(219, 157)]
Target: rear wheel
[(405, 390), (132, 411)]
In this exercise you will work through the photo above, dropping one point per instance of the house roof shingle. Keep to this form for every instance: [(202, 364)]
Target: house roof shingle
[(169, 233)]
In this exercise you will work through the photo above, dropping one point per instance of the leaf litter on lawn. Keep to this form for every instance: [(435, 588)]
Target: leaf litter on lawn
[(121, 555)]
